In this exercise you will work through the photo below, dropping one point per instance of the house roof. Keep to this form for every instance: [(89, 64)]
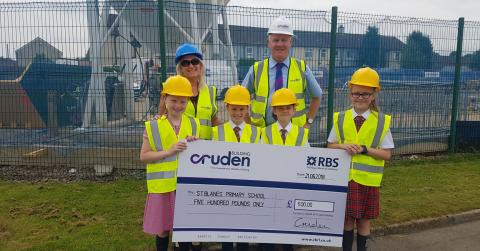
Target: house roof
[(244, 35), (40, 41), (7, 62)]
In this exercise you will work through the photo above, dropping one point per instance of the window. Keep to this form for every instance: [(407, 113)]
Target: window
[(396, 56), (349, 54), (249, 52), (266, 53), (323, 53), (308, 53)]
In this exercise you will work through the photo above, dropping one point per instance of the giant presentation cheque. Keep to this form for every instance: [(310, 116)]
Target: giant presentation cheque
[(230, 192)]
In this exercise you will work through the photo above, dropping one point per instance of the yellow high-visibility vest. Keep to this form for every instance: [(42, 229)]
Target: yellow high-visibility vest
[(296, 82), (250, 133), (162, 175), (297, 136), (206, 108), (364, 169)]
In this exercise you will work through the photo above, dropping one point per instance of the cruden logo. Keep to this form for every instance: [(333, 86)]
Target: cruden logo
[(230, 159)]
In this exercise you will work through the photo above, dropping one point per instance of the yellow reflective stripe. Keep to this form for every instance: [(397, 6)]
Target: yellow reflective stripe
[(161, 175), (341, 120), (268, 132), (300, 135), (259, 74), (167, 159), (300, 95), (212, 98), (302, 71), (157, 141), (194, 126), (253, 137), (257, 115), (221, 132), (367, 168), (259, 98), (378, 130), (205, 122), (299, 113)]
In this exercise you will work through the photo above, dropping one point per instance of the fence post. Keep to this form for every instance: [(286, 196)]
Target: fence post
[(331, 69), (456, 87), (161, 31), (52, 123)]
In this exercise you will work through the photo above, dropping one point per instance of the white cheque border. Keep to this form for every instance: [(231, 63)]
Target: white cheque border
[(257, 236)]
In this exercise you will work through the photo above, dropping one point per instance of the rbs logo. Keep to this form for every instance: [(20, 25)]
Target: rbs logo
[(225, 160), (322, 162)]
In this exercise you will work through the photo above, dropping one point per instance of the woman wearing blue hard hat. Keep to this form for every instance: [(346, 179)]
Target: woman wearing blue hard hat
[(203, 103)]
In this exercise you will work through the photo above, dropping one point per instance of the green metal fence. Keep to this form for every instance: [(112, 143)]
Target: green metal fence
[(78, 79)]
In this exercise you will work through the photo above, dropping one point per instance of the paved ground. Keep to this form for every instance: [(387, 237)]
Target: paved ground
[(459, 237)]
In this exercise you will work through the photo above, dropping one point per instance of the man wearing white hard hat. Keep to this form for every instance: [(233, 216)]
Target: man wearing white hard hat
[(280, 70)]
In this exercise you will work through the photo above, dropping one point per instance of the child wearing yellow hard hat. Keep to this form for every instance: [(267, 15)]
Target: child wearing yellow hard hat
[(364, 132), (163, 139), (283, 132), (237, 100)]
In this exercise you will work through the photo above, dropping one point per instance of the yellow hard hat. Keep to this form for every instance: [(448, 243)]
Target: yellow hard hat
[(284, 96), (177, 86), (365, 77), (237, 95)]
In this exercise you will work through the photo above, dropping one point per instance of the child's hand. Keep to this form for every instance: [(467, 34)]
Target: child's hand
[(180, 146), (191, 138), (352, 149)]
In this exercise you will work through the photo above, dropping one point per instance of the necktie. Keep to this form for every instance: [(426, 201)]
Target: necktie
[(284, 135), (279, 77), (359, 122), (237, 132)]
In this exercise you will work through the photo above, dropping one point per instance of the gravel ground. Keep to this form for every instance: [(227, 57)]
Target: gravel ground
[(64, 173)]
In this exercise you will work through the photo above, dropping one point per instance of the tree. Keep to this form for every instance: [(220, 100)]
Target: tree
[(417, 52), (370, 50), (474, 62)]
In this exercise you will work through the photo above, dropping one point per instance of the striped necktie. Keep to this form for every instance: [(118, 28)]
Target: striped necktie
[(237, 132), (279, 76), (284, 135)]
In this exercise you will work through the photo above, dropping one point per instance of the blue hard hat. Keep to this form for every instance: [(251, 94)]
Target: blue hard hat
[(187, 49)]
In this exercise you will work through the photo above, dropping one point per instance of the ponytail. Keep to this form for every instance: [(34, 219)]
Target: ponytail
[(374, 106)]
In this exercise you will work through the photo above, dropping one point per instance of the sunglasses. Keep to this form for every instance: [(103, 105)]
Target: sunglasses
[(186, 63)]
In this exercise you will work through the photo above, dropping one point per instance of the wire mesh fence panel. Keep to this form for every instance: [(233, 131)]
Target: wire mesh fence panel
[(412, 57), (79, 79), (468, 135)]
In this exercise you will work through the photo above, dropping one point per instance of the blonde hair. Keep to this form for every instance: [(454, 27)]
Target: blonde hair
[(201, 82), (374, 104)]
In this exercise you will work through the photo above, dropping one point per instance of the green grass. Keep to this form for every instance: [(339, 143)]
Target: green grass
[(73, 216), (429, 187), (108, 216)]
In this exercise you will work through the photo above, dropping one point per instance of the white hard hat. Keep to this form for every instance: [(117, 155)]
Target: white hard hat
[(281, 25)]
